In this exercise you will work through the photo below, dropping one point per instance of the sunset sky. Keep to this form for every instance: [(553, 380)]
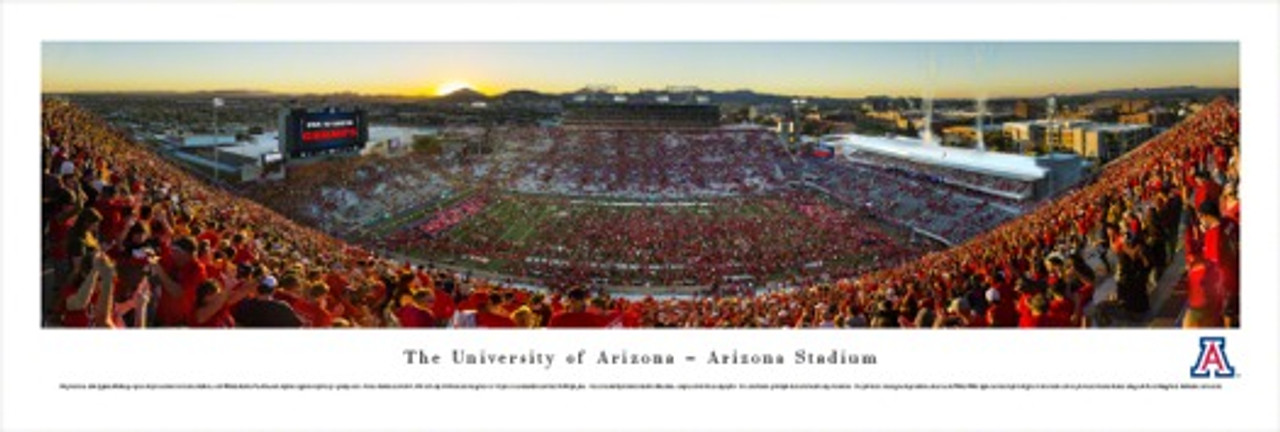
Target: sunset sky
[(837, 69)]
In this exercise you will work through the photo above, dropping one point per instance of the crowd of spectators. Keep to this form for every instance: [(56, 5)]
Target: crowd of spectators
[(134, 241), (947, 213), (452, 216), (1130, 216), (793, 236), (644, 164), (342, 195), (941, 174)]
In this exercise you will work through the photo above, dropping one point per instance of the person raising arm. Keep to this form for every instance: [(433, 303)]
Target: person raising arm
[(79, 292), (179, 279), (213, 303), (104, 314)]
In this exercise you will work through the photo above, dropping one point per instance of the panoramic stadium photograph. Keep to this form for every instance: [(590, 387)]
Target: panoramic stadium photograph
[(616, 185)]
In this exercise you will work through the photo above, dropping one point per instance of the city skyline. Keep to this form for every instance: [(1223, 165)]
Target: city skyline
[(811, 69)]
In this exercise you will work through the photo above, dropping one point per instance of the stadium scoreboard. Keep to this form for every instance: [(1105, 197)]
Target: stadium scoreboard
[(308, 133)]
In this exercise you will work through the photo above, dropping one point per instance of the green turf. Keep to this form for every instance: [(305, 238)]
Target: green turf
[(520, 222)]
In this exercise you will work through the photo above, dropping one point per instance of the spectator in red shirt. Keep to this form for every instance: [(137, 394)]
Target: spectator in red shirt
[(1221, 250), (1204, 301), (207, 233), (1032, 311), (179, 278), (491, 315), (213, 304), (1060, 309), (312, 308), (1000, 312), (244, 249), (575, 314), (417, 312)]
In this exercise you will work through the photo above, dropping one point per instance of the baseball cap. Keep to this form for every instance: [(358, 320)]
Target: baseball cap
[(268, 283), (993, 295)]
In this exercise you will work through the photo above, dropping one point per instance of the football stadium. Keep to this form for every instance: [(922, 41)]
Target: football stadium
[(702, 196)]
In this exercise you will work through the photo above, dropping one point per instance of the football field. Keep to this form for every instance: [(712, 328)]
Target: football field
[(756, 238)]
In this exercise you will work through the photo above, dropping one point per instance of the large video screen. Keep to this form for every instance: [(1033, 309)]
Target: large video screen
[(317, 132)]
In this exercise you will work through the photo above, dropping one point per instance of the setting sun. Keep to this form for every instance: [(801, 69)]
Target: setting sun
[(451, 87)]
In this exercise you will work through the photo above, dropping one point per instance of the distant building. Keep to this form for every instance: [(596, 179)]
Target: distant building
[(1022, 134), (1129, 106), (1155, 118), (877, 103), (1107, 142), (1023, 109), (228, 166), (967, 135), (641, 115)]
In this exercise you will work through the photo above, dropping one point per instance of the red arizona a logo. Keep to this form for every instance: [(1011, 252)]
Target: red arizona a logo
[(1213, 359)]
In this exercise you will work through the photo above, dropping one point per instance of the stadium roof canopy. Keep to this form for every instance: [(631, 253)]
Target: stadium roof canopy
[(257, 145), (1004, 165)]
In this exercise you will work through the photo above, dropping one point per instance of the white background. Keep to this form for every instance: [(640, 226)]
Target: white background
[(35, 360)]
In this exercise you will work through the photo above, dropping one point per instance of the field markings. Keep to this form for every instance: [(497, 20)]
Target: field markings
[(531, 225)]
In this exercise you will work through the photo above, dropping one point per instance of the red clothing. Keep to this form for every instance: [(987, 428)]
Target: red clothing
[(81, 318), (179, 309), (1084, 294), (245, 254), (473, 301), (1220, 158), (979, 320), (336, 281), (210, 235), (1220, 248), (444, 306), (1231, 211), (112, 212), (1003, 314), (414, 317), (631, 318), (1030, 320), (58, 232), (1202, 285), (312, 314), (1213, 243), (1206, 190), (220, 319), (492, 320), (1026, 318), (1059, 314), (576, 320), (288, 297), (614, 319)]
